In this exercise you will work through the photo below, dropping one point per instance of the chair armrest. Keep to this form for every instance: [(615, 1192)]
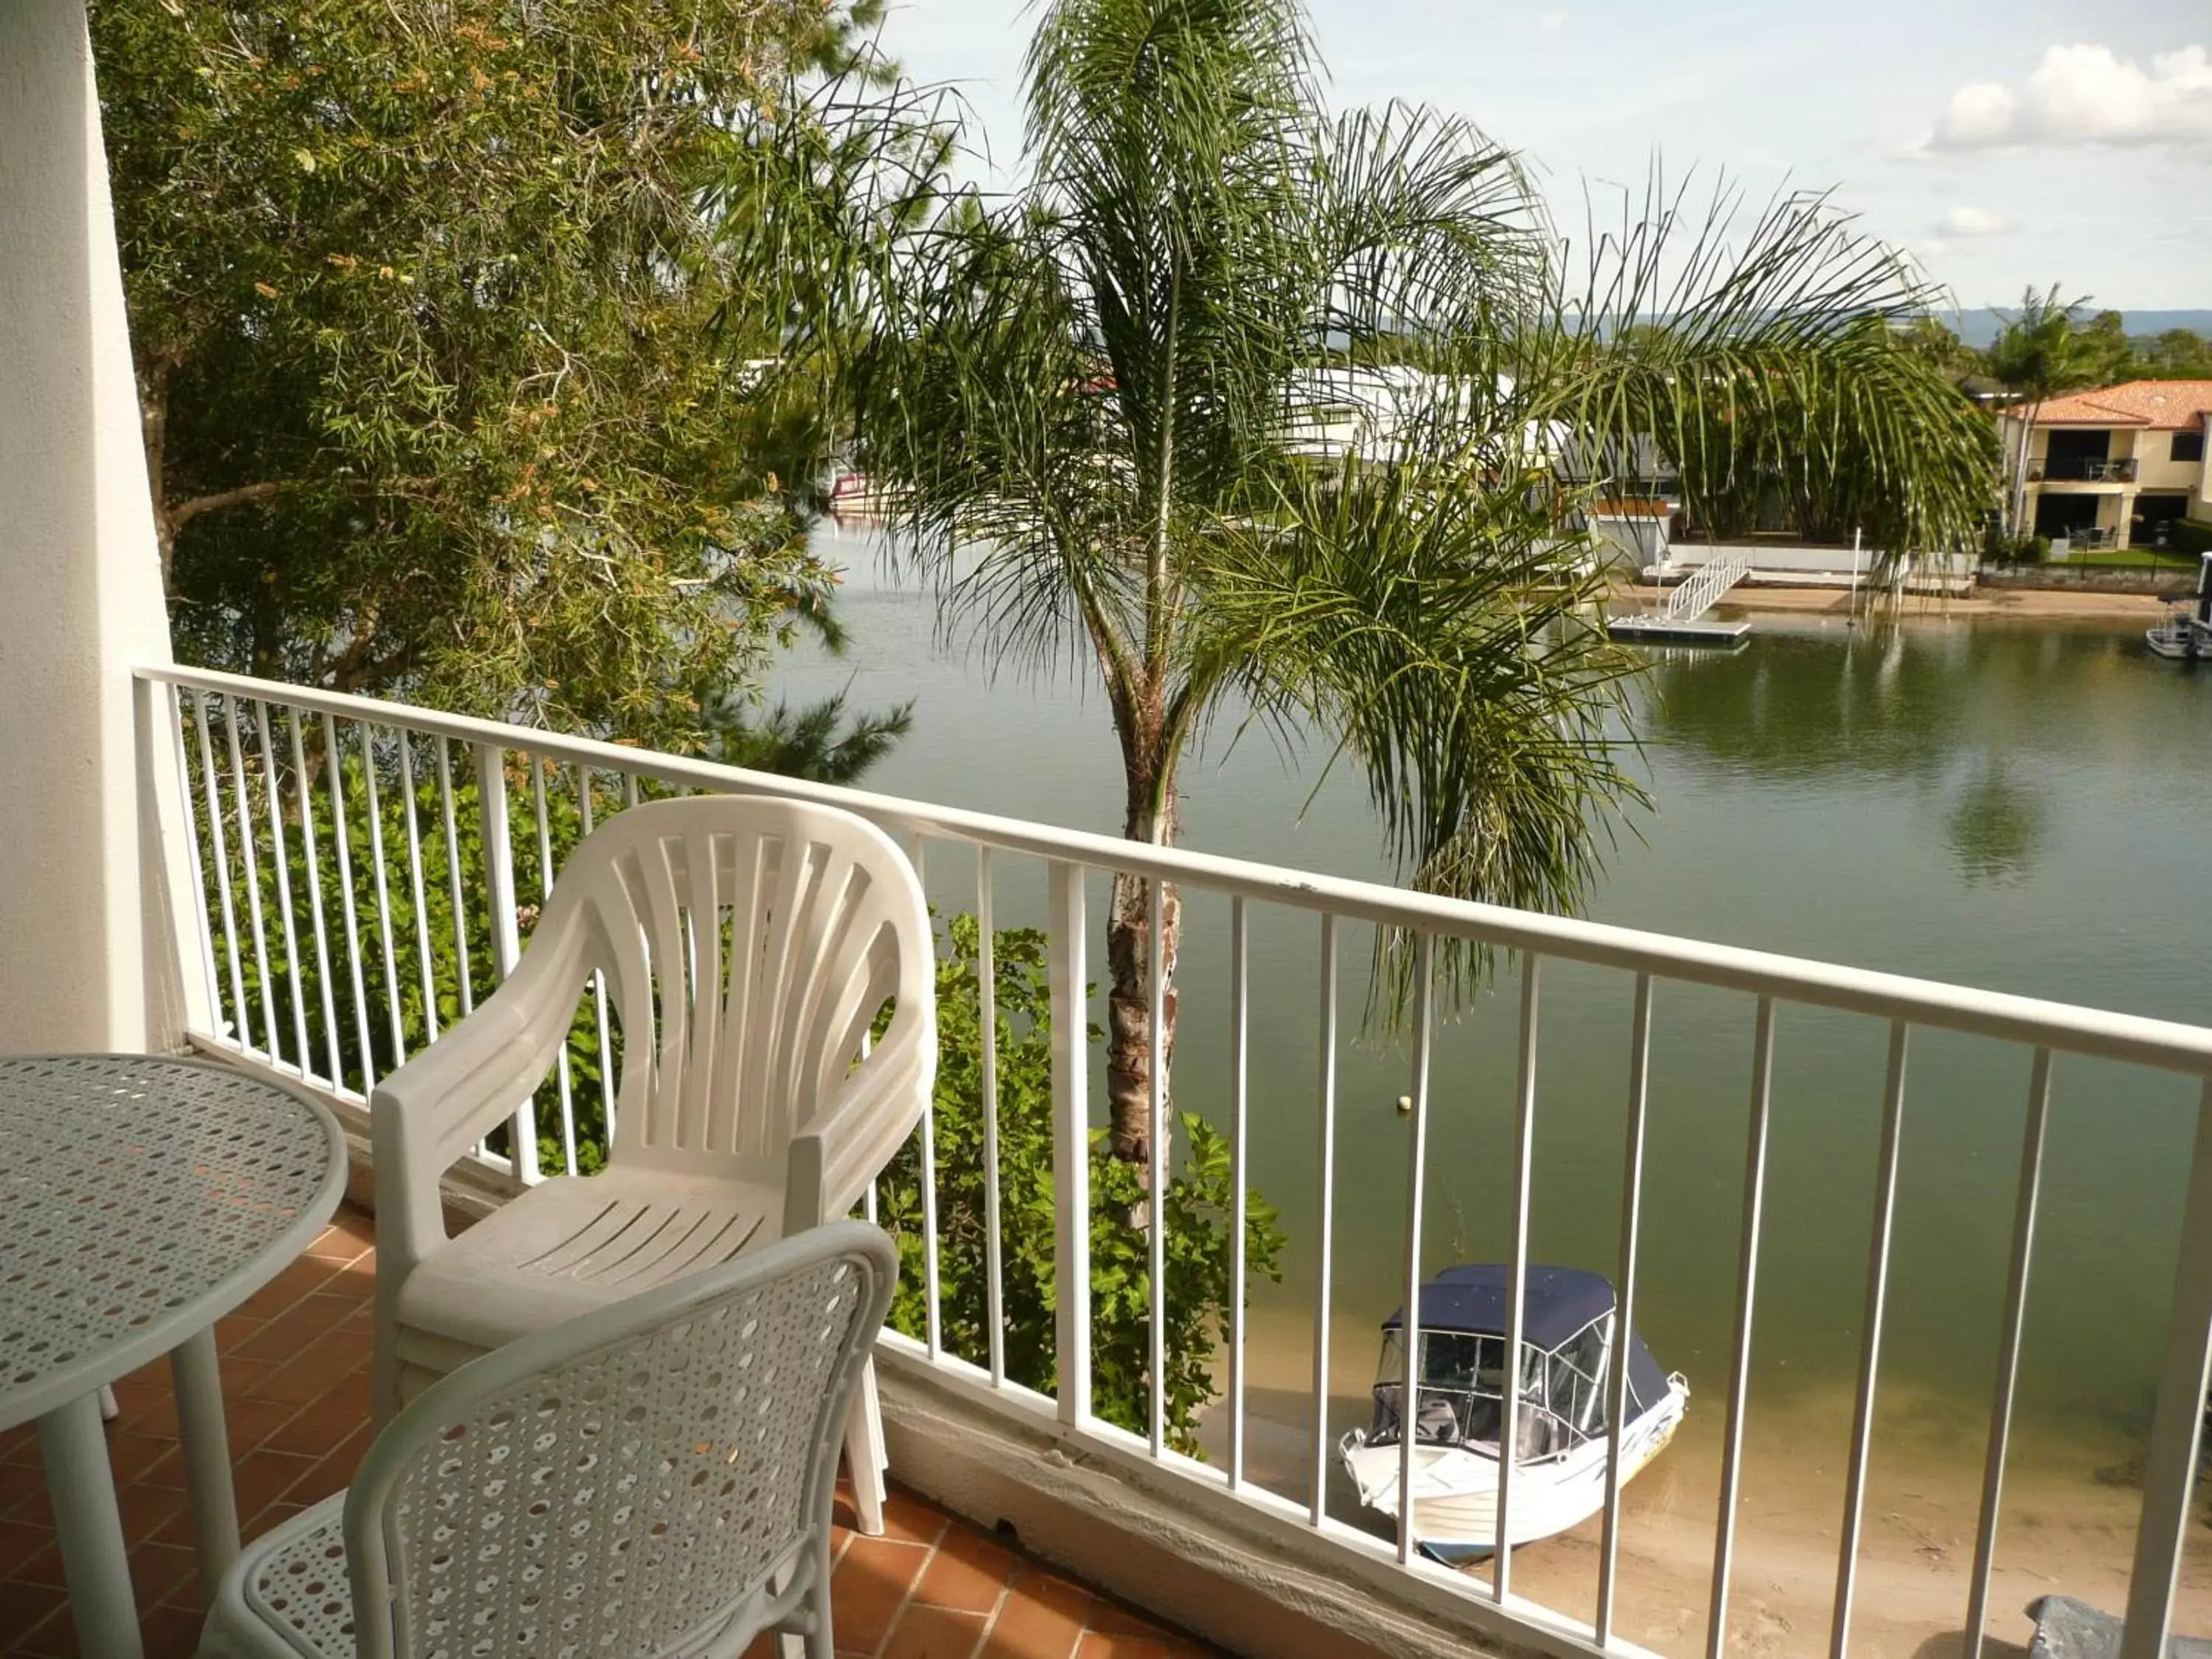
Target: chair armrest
[(426, 1113), (850, 1139)]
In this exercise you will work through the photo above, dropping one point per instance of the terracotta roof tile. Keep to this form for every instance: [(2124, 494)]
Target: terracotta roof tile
[(2161, 405)]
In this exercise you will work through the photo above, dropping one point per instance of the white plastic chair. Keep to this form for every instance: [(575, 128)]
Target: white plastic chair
[(747, 944), (654, 1478)]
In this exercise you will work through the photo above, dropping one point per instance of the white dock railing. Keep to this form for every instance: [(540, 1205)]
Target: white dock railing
[(1703, 588), (230, 736)]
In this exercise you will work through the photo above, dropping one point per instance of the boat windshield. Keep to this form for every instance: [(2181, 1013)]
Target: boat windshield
[(1460, 1399)]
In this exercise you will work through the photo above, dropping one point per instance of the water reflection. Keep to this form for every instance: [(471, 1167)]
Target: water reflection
[(1978, 722), (1901, 700), (1996, 828)]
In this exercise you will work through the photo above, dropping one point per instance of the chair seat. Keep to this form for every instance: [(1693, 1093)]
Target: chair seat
[(572, 1244), (292, 1581)]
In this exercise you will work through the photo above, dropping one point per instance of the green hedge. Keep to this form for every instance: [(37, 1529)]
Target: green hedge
[(2191, 535)]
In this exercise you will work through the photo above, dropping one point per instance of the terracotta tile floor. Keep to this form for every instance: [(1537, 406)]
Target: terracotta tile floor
[(295, 1378)]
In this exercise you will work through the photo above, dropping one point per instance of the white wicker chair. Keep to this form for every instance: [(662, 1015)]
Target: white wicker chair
[(749, 945), (654, 1478)]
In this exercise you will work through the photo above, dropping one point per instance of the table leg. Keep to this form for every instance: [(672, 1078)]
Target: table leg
[(82, 1488), (207, 1456)]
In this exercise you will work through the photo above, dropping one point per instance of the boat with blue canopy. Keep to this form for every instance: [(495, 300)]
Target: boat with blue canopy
[(1562, 1438)]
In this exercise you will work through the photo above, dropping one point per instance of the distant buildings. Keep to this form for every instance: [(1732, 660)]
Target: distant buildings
[(2118, 466)]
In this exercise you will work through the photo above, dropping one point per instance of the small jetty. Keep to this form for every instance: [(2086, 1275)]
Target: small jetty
[(1679, 617)]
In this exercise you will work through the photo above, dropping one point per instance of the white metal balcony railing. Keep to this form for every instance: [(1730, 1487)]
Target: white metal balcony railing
[(229, 734)]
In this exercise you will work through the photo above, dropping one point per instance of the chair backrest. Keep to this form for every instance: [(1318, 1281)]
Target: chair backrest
[(749, 944), (629, 1481)]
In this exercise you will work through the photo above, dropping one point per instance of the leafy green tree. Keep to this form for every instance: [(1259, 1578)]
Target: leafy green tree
[(2105, 356), (1093, 403), (1930, 338), (2038, 354), (1199, 1211), (462, 371), (2178, 353)]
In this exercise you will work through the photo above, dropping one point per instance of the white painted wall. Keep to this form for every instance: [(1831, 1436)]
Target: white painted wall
[(81, 599)]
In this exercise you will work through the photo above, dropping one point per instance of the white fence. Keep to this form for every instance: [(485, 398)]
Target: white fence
[(271, 770)]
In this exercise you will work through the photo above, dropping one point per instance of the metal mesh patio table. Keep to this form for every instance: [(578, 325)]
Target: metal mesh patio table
[(141, 1199)]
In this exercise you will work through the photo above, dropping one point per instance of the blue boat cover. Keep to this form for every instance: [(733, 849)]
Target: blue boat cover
[(1557, 1303)]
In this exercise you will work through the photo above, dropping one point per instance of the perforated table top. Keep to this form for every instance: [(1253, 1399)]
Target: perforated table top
[(141, 1199)]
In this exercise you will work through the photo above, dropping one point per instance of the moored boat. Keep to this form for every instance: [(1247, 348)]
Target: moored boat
[(2185, 636), (1562, 1437)]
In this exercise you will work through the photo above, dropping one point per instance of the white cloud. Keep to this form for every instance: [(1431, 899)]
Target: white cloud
[(1963, 223), (2086, 95)]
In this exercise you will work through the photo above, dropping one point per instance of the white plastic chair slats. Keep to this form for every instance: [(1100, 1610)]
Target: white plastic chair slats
[(731, 1054), (748, 946), (652, 1479)]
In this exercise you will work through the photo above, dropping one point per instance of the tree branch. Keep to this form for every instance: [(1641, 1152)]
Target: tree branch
[(184, 512)]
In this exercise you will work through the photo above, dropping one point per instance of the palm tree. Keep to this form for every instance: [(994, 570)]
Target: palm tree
[(1263, 413), (2037, 355)]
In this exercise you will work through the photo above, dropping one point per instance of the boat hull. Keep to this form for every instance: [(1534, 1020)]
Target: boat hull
[(2176, 645), (1456, 1489)]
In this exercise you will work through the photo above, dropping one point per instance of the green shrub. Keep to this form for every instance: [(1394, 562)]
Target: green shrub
[(2192, 536), (1198, 1211)]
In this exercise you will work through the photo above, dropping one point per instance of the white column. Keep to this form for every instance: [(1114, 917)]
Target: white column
[(81, 602)]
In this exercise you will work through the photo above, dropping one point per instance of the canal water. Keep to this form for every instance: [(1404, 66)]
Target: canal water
[(2026, 809)]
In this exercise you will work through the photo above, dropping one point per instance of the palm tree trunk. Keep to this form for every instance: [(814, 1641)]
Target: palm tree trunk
[(1130, 1038)]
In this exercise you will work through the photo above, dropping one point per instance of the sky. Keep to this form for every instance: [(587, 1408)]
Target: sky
[(2001, 142)]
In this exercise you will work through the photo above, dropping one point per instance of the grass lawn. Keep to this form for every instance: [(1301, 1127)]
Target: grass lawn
[(2131, 558)]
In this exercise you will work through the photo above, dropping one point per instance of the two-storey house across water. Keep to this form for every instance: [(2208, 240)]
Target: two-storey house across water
[(2117, 466)]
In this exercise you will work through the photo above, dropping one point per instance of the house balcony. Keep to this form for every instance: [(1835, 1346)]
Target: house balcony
[(2082, 469), (347, 864)]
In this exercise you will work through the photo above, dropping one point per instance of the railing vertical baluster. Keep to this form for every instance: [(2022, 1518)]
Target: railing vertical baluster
[(538, 767), (282, 859), (381, 867), (629, 789), (584, 815), (1624, 1312), (341, 841), (932, 1284), (1324, 1219), (1417, 1157), (312, 862), (415, 885), (241, 1022), (462, 976), (1071, 1139), (193, 861), (1239, 1101), (2023, 1244), (1516, 1275), (1155, 1180), (2177, 1422), (246, 841), (505, 929), (1847, 1554), (1754, 1199), (987, 1018), (1885, 1208)]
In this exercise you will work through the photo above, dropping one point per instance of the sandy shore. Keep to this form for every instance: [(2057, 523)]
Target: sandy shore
[(2004, 604), (2067, 1527)]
